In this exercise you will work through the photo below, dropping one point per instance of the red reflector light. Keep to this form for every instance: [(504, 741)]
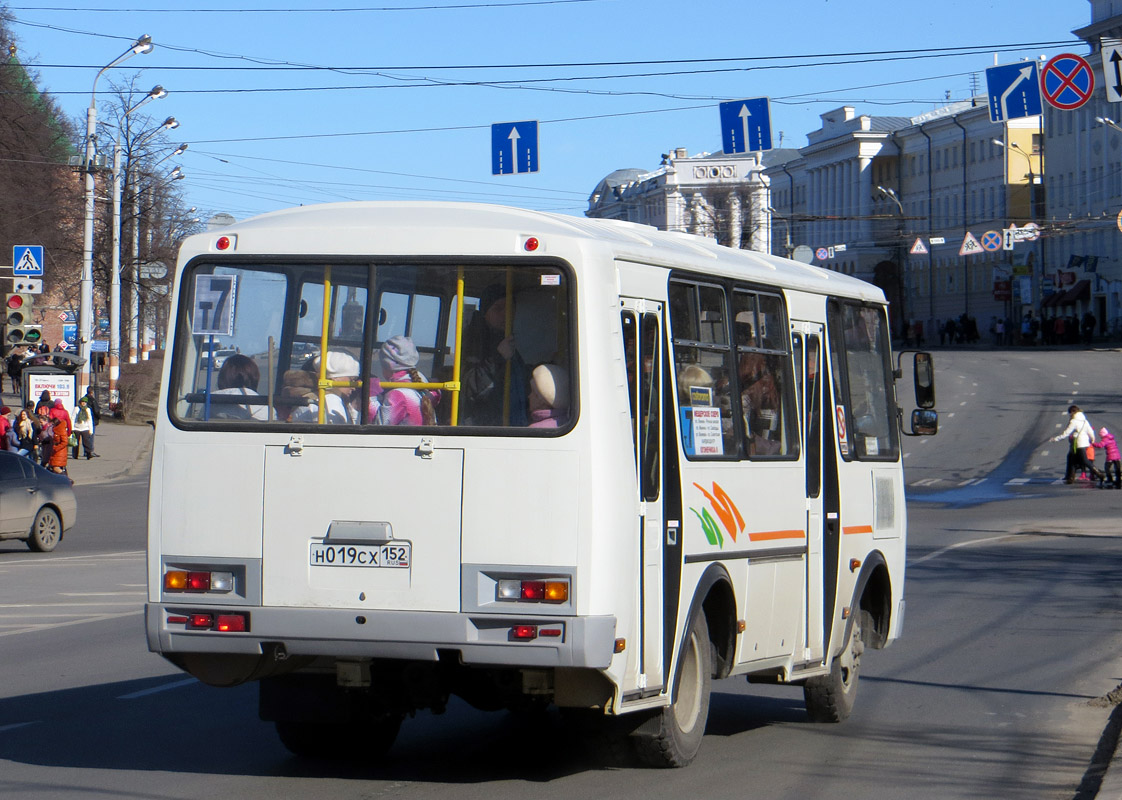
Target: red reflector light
[(198, 581), (531, 244), (230, 623), (549, 632), (223, 243), (201, 621), (177, 620), (524, 632), (533, 590)]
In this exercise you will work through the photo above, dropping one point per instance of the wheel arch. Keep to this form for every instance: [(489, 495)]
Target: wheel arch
[(872, 594), (715, 596)]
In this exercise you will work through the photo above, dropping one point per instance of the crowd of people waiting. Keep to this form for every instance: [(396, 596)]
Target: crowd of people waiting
[(1055, 329), (45, 432)]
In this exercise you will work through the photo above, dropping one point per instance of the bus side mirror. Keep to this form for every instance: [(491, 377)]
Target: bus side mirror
[(925, 422), (923, 376)]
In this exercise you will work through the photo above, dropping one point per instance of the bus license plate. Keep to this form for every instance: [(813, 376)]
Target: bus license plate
[(397, 555)]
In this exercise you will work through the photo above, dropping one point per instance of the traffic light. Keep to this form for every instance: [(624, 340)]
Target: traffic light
[(18, 320)]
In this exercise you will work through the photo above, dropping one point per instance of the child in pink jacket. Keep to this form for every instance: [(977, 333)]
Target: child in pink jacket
[(1113, 459)]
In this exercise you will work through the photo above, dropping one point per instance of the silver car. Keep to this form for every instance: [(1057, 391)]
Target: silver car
[(36, 505)]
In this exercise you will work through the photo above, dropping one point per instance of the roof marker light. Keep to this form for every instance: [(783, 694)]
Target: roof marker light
[(531, 244)]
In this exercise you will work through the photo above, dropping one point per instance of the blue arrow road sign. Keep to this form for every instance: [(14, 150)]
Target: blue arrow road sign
[(514, 147), (27, 259), (746, 125), (1014, 91)]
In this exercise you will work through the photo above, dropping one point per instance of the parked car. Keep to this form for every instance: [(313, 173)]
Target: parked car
[(36, 505)]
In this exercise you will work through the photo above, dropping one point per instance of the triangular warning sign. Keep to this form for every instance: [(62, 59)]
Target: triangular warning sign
[(970, 246), (919, 248), (28, 263)]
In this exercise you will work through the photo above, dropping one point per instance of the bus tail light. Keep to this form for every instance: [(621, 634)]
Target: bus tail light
[(532, 591), (179, 580), (230, 623), (524, 633), (223, 623)]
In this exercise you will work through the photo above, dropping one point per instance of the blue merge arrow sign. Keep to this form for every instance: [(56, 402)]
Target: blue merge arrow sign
[(1014, 91), (514, 147), (746, 125), (27, 259)]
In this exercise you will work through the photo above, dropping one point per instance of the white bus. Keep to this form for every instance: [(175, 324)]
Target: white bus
[(523, 459)]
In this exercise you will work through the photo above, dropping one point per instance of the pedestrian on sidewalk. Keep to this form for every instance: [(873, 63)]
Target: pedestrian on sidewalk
[(1080, 434), (84, 429), (57, 461), (1113, 459)]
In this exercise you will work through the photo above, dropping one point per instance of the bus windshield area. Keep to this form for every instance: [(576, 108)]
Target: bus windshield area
[(375, 344)]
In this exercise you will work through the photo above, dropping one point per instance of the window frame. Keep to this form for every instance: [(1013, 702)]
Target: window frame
[(789, 402), (839, 373), (291, 265)]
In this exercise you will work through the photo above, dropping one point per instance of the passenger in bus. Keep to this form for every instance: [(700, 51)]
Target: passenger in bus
[(239, 376), (760, 403), (401, 406), (549, 396), (486, 352), (339, 401)]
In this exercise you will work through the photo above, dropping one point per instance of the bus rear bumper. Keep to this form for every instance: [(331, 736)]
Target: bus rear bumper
[(480, 639)]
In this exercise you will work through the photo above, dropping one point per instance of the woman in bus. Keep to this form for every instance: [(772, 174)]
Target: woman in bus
[(339, 405), (487, 351), (240, 375), (402, 406)]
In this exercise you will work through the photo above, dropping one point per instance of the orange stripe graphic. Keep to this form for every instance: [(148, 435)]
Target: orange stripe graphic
[(857, 529), (767, 536)]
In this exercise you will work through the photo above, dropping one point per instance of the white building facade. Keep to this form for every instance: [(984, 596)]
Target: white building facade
[(723, 197)]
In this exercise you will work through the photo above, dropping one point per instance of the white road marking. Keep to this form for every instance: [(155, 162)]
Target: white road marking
[(957, 545), (53, 561), (47, 627), (17, 725), (156, 690), (1017, 481)]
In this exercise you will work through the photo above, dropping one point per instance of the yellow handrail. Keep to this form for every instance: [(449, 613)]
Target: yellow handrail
[(454, 387), (325, 328)]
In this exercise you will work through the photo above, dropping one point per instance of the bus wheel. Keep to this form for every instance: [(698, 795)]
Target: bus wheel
[(358, 740), (673, 737), (830, 698)]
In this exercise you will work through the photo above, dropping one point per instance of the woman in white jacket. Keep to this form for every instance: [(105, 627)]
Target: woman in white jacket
[(1081, 433), (84, 429)]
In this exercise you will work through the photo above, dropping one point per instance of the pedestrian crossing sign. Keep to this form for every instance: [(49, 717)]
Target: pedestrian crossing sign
[(919, 248), (27, 260)]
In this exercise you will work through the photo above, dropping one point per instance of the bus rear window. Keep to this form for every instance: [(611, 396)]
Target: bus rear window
[(351, 344)]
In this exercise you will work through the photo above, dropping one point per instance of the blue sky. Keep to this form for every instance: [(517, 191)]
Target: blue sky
[(394, 108)]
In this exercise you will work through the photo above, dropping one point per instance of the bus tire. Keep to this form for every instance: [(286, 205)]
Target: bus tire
[(673, 737), (353, 741), (830, 697), (46, 531)]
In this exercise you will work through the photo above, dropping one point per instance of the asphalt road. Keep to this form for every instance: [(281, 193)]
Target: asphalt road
[(1012, 632)]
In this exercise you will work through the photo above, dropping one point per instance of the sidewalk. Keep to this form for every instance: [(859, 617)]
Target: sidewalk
[(123, 449)]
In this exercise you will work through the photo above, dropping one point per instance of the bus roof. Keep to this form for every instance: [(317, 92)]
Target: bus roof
[(427, 228)]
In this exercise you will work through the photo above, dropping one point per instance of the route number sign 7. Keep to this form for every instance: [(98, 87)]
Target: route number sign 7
[(214, 305)]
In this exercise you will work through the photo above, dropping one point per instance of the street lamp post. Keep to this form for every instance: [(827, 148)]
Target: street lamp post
[(158, 92), (85, 307), (1038, 299)]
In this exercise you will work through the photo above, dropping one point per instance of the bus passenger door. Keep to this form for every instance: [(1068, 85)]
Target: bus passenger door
[(642, 337), (807, 338)]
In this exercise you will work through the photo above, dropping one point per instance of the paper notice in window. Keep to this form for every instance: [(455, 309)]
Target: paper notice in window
[(707, 440)]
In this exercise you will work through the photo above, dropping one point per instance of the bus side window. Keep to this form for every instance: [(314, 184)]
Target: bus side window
[(702, 369), (764, 375)]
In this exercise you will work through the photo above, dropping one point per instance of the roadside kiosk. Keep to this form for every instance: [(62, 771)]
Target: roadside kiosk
[(58, 376)]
